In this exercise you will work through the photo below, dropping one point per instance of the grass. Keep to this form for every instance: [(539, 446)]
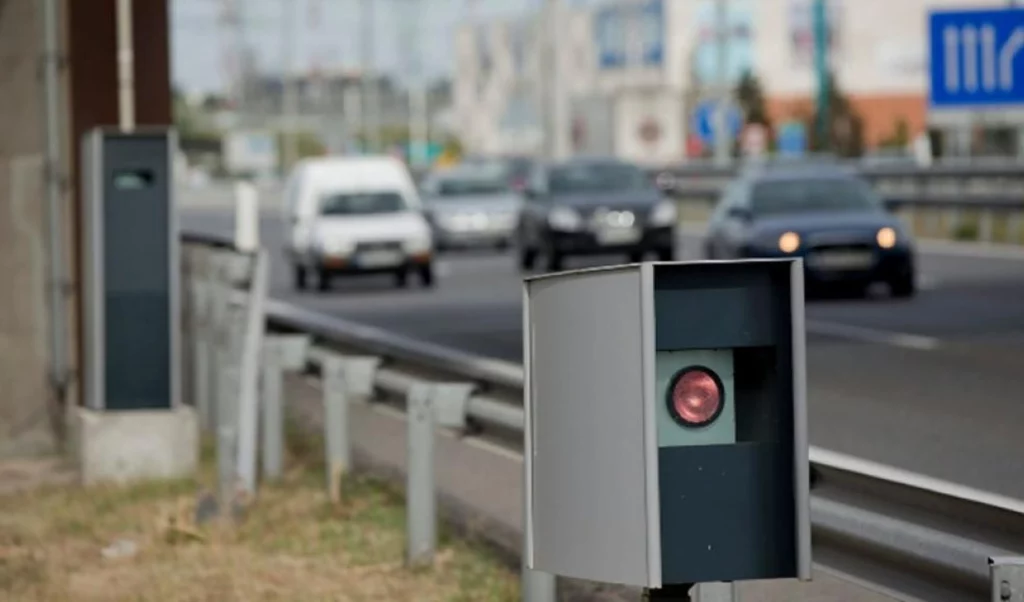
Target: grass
[(293, 545)]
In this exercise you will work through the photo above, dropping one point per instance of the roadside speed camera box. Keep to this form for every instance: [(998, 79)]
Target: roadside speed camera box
[(130, 261), (666, 437)]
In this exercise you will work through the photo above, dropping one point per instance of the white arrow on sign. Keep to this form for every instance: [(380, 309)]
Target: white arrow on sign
[(970, 41), (1007, 54)]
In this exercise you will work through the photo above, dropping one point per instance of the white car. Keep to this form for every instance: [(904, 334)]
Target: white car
[(352, 215)]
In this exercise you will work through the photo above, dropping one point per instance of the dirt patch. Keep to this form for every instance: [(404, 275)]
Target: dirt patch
[(23, 475)]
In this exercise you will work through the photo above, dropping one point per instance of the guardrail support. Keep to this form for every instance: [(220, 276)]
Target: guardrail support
[(427, 405), (281, 353), (336, 428), (1007, 574), (249, 366), (421, 536), (200, 337), (714, 592), (360, 373), (226, 481)]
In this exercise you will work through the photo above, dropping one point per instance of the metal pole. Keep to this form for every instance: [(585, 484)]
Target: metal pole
[(822, 71), (418, 109), (201, 335), (556, 128), (52, 126), (723, 141), (273, 412), (248, 399), (370, 111), (421, 536), (536, 586), (226, 483), (125, 66), (289, 100), (336, 427)]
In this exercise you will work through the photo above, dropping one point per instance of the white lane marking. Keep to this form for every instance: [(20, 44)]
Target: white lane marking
[(872, 335)]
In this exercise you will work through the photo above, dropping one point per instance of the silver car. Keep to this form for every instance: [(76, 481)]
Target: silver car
[(471, 206)]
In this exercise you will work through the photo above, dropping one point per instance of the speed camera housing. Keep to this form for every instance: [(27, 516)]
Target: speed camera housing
[(666, 438)]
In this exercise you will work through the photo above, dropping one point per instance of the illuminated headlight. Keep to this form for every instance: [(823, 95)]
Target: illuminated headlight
[(886, 238), (563, 218), (664, 214), (789, 242)]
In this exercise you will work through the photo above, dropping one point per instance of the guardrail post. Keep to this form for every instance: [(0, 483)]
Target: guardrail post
[(226, 478), (1007, 577), (200, 337), (336, 429), (421, 528), (254, 323), (427, 405), (359, 373), (280, 353)]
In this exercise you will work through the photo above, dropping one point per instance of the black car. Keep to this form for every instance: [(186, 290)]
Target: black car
[(593, 206), (829, 216)]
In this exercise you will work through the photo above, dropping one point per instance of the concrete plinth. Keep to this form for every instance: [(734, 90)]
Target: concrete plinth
[(125, 446)]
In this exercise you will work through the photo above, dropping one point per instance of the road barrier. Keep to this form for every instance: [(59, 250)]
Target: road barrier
[(943, 540)]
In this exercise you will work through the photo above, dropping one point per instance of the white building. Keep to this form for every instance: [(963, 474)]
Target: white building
[(879, 52)]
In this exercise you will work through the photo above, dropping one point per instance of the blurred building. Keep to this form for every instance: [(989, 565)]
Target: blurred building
[(638, 99)]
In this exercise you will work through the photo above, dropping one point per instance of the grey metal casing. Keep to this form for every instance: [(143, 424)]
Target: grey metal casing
[(130, 252), (593, 458)]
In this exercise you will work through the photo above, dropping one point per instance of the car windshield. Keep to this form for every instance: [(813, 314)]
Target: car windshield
[(361, 203), (458, 187), (802, 195), (603, 177)]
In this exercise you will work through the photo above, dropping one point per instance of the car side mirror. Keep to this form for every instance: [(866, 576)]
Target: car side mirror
[(740, 213), (892, 205)]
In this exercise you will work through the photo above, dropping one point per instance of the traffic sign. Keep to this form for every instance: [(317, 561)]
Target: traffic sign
[(704, 121), (977, 58), (792, 139)]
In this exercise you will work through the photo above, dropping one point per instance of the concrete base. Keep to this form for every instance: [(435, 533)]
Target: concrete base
[(128, 446)]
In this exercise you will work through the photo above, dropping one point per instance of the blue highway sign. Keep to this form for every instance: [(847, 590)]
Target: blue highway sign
[(977, 58), (704, 121)]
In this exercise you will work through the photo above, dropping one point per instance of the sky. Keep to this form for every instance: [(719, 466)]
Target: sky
[(327, 34)]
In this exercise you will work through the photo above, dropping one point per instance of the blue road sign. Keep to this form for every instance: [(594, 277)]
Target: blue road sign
[(704, 121), (792, 139), (977, 58)]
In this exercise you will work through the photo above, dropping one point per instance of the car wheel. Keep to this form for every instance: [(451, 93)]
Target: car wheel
[(299, 277), (323, 280), (903, 286), (426, 273), (527, 258), (402, 278)]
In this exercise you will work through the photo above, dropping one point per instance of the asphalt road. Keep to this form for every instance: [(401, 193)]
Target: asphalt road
[(934, 384)]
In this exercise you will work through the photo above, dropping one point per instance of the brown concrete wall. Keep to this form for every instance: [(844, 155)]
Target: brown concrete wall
[(880, 113), (24, 419)]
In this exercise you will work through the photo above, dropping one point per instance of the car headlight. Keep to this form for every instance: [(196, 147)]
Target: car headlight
[(664, 214), (886, 237), (331, 245), (564, 218), (789, 242)]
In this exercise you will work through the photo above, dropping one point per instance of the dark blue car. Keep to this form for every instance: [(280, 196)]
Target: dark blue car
[(829, 216)]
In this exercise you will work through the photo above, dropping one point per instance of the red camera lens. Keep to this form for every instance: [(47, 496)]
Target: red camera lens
[(696, 397)]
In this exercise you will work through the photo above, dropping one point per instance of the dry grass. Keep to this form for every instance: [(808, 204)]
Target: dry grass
[(293, 545)]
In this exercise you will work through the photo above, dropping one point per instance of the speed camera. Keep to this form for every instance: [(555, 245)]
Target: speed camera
[(666, 439)]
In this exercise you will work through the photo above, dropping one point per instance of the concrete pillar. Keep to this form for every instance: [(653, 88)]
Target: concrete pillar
[(25, 425)]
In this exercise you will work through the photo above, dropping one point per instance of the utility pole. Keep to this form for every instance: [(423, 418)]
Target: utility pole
[(821, 64), (418, 109), (557, 114), (371, 109), (125, 66), (723, 140), (289, 82)]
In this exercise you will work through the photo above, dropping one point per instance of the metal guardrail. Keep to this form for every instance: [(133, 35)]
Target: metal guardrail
[(943, 540)]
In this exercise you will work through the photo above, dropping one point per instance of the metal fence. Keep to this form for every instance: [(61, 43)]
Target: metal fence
[(939, 536)]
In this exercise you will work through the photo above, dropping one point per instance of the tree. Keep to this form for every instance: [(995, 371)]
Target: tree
[(750, 96), (900, 136), (844, 132)]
